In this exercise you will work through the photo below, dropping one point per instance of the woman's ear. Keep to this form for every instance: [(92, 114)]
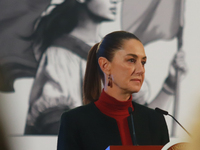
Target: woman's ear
[(81, 1), (104, 65)]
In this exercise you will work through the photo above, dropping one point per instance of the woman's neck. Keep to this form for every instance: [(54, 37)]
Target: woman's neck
[(87, 28), (117, 93)]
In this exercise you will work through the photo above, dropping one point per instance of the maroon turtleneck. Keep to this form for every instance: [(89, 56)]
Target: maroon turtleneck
[(119, 111)]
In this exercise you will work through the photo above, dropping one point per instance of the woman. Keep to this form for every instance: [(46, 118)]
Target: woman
[(117, 62), (61, 42)]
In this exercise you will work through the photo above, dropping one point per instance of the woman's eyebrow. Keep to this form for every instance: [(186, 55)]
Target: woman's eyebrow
[(136, 56)]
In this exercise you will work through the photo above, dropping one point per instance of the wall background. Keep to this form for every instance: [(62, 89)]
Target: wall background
[(13, 106)]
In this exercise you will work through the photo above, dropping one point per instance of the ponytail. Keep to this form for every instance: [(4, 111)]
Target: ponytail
[(92, 80)]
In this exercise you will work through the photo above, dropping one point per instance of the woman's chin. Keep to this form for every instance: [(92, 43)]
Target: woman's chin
[(135, 90), (110, 17)]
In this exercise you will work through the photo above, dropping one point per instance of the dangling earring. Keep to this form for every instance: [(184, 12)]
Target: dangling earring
[(109, 81)]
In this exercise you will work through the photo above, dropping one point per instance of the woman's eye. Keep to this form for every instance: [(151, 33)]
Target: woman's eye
[(132, 60)]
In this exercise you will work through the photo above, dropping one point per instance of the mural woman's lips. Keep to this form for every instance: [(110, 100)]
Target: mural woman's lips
[(113, 10)]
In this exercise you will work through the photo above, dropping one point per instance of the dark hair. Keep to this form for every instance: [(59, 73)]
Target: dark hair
[(61, 20), (93, 75)]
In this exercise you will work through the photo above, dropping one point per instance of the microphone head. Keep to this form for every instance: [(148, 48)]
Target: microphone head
[(161, 111)]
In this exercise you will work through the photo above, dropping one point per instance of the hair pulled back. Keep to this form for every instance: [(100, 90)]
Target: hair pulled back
[(62, 19), (111, 43)]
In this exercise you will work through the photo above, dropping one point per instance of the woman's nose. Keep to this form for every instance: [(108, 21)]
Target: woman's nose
[(139, 68)]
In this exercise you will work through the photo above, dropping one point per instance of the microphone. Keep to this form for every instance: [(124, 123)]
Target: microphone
[(166, 113), (133, 127)]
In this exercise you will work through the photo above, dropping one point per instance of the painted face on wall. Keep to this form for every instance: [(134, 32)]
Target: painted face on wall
[(105, 9), (127, 66)]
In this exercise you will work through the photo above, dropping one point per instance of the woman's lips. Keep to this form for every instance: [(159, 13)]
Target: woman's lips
[(137, 80)]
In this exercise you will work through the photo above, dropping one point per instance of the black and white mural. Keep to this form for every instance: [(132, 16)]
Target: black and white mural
[(43, 54)]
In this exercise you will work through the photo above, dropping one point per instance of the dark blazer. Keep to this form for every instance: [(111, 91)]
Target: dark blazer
[(87, 128)]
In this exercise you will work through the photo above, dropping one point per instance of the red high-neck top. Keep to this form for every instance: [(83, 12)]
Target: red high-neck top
[(119, 111)]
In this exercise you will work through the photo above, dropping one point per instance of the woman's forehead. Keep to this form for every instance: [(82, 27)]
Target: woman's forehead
[(132, 47)]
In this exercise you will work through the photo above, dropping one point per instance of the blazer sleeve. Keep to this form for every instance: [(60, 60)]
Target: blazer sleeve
[(68, 137)]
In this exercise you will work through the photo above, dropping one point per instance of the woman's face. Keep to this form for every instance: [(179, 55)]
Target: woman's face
[(127, 66), (105, 9)]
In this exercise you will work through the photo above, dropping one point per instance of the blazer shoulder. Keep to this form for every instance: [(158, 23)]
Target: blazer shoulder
[(146, 110), (80, 111), (142, 107)]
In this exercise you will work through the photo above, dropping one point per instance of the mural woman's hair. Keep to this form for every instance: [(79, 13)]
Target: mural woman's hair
[(62, 19), (111, 43)]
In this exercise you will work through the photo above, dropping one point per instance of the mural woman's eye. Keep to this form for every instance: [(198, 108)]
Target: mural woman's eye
[(143, 63)]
